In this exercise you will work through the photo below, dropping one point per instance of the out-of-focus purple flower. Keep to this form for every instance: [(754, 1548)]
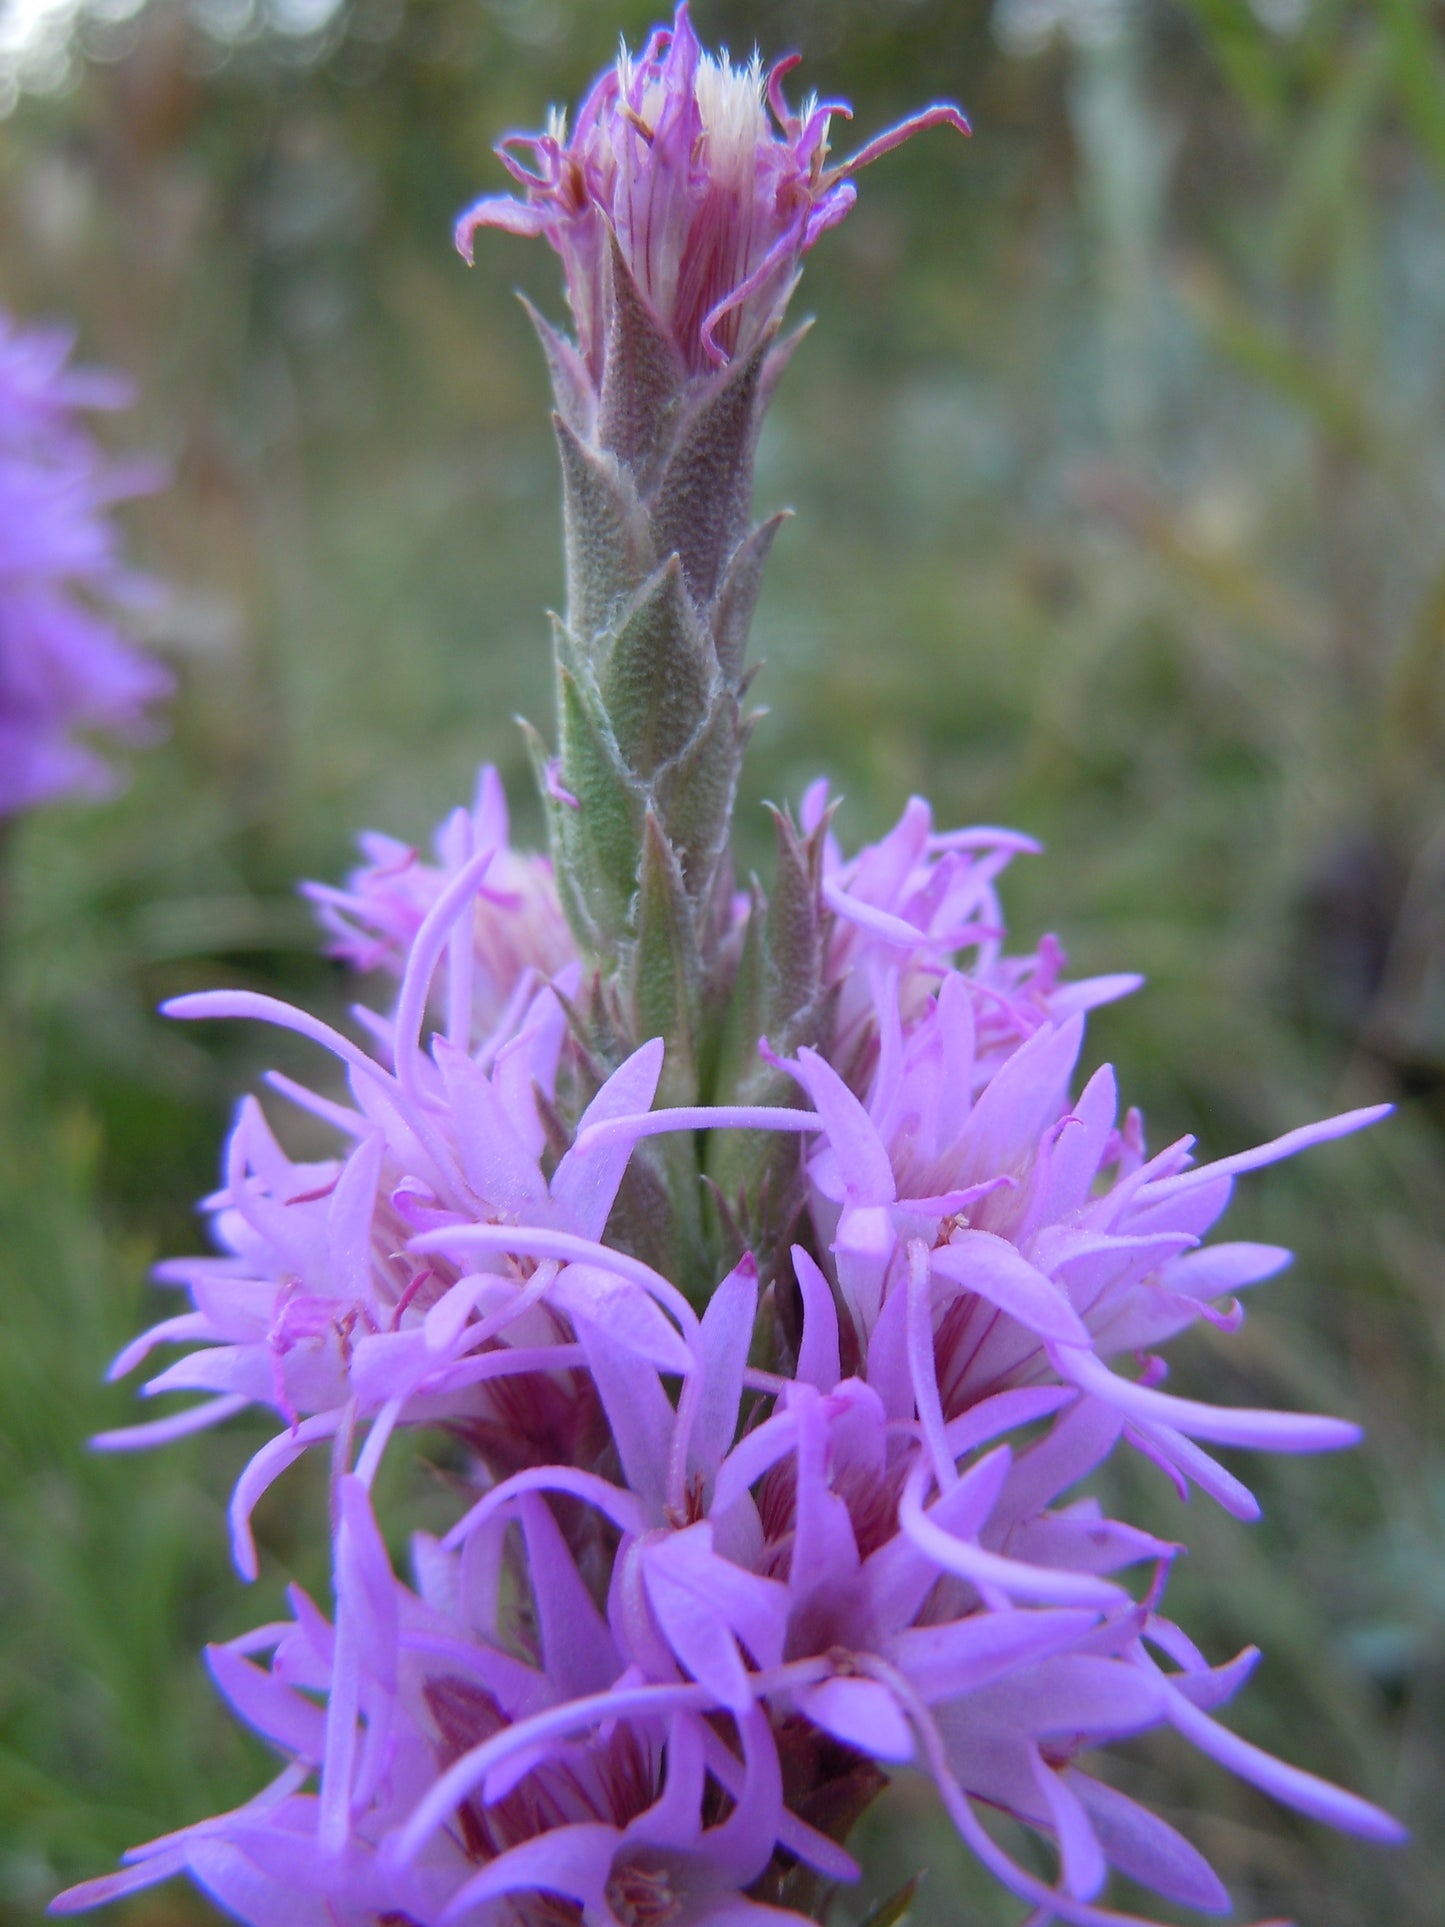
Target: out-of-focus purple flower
[(65, 671), (712, 186)]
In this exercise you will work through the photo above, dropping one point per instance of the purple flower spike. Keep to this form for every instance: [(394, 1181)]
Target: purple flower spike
[(739, 1525), (65, 671), (713, 187)]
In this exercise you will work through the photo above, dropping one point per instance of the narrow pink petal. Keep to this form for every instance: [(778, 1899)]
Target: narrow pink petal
[(965, 1655), (818, 1357), (850, 1131), (1288, 1146), (862, 1714), (996, 1270), (577, 1649), (941, 114), (115, 1886), (1226, 1425), (196, 1418), (1084, 1866), (586, 1185), (1147, 1849), (725, 1340), (1291, 1784), (275, 1711), (573, 1862), (621, 1507), (465, 1775), (502, 212), (989, 1569)]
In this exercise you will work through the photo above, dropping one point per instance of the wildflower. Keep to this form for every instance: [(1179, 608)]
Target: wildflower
[(1005, 1236), (711, 206), (65, 671), (736, 1537), (922, 903), (596, 1781), (796, 1568), (317, 1306), (518, 930)]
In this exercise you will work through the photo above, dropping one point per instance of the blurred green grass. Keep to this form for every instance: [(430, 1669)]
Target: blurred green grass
[(1118, 455)]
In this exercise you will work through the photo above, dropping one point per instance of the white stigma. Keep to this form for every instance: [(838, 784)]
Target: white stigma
[(730, 103)]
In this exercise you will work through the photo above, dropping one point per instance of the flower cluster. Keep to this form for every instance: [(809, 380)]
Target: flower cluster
[(711, 204), (65, 671), (743, 1527), (696, 1599)]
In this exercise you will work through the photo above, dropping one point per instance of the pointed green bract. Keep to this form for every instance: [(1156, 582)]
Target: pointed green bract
[(737, 597), (656, 683), (598, 835), (666, 969), (695, 794), (663, 575), (702, 503), (664, 569), (608, 550), (778, 997), (644, 378)]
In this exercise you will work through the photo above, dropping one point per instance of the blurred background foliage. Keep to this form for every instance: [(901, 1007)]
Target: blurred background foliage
[(1119, 457)]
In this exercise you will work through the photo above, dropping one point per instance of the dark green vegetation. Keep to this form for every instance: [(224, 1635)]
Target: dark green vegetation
[(1119, 456)]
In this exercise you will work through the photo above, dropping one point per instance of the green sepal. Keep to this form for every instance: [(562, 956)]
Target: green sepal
[(731, 616), (571, 384), (753, 1171), (608, 550), (576, 910), (600, 1035), (643, 376), (694, 795), (701, 505), (598, 843), (793, 936), (655, 678), (777, 994), (775, 366), (666, 969), (737, 1064)]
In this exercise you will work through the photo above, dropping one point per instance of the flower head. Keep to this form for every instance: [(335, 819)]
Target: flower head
[(520, 938), (318, 1305), (712, 187), (65, 670), (919, 906)]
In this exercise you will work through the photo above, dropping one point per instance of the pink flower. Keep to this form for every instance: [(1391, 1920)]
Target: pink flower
[(712, 203), (318, 1305), (923, 904), (561, 1776), (519, 934), (988, 1232)]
